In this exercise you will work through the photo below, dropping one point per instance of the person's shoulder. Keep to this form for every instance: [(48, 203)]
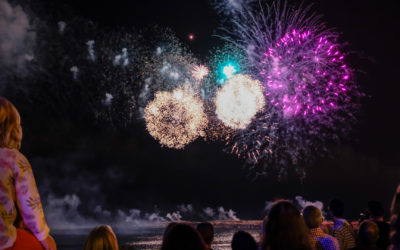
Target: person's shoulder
[(331, 239), (15, 154), (9, 154)]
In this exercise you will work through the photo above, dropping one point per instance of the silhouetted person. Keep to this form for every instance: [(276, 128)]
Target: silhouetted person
[(377, 210), (368, 234), (183, 237), (170, 225), (319, 240), (206, 231), (342, 230), (395, 222), (365, 216), (285, 229), (243, 241), (101, 238), (127, 247)]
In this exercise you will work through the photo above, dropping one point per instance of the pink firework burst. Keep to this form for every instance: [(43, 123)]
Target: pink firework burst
[(199, 72)]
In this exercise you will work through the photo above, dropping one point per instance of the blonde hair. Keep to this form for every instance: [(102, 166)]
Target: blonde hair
[(101, 238), (10, 125)]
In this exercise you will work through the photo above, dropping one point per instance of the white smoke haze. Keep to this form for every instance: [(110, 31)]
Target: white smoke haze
[(63, 213), (108, 99), (126, 62), (209, 212), (124, 53), (61, 26), (188, 209), (116, 60), (301, 203), (226, 215), (221, 214), (91, 50), (174, 216), (144, 96), (75, 71), (17, 36)]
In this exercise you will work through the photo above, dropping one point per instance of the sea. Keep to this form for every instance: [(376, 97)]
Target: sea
[(150, 238)]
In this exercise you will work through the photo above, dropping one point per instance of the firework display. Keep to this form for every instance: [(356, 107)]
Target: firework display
[(311, 93), (229, 71), (175, 119), (239, 100), (199, 72), (276, 93)]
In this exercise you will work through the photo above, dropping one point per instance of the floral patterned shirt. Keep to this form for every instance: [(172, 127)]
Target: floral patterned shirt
[(18, 191)]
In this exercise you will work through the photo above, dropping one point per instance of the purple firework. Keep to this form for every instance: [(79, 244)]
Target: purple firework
[(310, 91), (305, 74)]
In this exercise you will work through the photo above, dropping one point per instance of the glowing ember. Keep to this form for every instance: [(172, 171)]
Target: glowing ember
[(175, 119), (239, 100), (229, 70)]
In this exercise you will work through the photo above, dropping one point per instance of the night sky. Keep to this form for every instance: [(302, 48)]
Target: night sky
[(123, 169)]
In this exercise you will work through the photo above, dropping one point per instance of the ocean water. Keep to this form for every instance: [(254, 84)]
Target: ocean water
[(151, 238)]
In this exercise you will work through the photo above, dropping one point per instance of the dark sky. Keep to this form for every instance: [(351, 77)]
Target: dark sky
[(362, 169)]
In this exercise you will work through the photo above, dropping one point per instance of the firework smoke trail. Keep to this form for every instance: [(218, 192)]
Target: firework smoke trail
[(311, 93), (91, 50), (175, 119), (74, 71), (239, 100), (199, 72)]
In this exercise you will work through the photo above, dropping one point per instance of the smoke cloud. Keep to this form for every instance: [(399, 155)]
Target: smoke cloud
[(301, 203), (63, 214), (17, 36)]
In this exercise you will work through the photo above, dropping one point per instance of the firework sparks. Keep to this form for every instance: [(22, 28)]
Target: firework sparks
[(199, 72), (239, 100), (311, 93), (229, 71), (175, 119)]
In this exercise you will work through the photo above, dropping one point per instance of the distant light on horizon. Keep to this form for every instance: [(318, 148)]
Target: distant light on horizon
[(191, 37)]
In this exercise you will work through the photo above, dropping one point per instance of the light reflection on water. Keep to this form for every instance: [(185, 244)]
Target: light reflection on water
[(151, 240)]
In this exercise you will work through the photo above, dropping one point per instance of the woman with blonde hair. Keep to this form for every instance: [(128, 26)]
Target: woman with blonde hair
[(18, 191), (101, 238)]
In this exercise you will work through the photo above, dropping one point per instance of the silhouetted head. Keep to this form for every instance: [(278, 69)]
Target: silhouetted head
[(206, 231), (170, 225), (101, 238), (285, 228), (243, 241), (183, 237), (376, 208), (368, 233), (336, 207), (10, 125), (312, 217), (127, 247)]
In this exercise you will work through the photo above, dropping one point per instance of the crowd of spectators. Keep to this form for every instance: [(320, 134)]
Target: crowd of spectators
[(286, 228)]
